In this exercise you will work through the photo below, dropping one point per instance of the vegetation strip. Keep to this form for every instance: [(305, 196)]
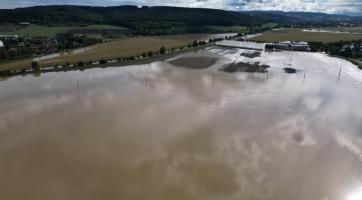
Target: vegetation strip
[(161, 55)]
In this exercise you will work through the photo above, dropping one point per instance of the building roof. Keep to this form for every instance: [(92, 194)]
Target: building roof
[(296, 43), (242, 45), (300, 43)]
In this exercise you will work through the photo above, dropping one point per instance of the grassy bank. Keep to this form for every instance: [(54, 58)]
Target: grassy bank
[(298, 34)]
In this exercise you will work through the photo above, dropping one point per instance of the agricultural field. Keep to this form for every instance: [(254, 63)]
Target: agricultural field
[(47, 31), (270, 25), (8, 27), (124, 47), (345, 29), (234, 29), (298, 34)]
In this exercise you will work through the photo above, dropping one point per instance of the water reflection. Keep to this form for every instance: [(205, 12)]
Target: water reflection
[(163, 132)]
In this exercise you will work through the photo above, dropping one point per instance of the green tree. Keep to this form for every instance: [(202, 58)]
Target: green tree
[(80, 63), (162, 50), (195, 43), (35, 66), (103, 61), (150, 54)]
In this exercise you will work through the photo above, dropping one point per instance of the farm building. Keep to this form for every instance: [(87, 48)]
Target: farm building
[(242, 45), (1, 44), (291, 46), (24, 23)]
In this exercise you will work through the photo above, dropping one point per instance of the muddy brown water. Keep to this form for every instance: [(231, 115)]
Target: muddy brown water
[(162, 132)]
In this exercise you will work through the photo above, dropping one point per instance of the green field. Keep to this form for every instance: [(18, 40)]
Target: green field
[(298, 34), (111, 50), (233, 29), (270, 25), (48, 31), (345, 29), (8, 27)]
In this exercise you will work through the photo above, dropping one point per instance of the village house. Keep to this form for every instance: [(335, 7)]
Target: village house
[(1, 44)]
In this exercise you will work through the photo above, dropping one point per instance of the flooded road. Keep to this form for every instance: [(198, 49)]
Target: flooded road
[(163, 132)]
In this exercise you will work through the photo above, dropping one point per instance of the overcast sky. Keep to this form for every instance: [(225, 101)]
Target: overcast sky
[(328, 6)]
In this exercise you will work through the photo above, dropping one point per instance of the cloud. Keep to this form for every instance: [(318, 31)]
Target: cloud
[(328, 6)]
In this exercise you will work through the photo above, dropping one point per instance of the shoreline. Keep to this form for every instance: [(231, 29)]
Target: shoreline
[(139, 61)]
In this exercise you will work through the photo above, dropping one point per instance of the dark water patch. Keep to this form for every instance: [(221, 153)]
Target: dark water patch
[(245, 67), (251, 54), (194, 62), (289, 70)]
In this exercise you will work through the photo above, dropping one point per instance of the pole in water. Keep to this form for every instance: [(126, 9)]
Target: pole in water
[(305, 74), (213, 79), (78, 87), (339, 74), (146, 82)]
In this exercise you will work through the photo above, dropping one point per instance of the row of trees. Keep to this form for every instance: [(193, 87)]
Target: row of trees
[(347, 49)]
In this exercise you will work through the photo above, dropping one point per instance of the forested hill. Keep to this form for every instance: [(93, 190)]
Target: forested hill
[(303, 18), (163, 20), (127, 16)]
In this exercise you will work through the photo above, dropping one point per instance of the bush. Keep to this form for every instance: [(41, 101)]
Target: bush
[(202, 43), (195, 44), (80, 63), (150, 54), (162, 50), (103, 61), (35, 66)]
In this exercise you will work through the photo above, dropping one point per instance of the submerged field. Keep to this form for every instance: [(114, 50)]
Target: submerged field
[(160, 132), (298, 34)]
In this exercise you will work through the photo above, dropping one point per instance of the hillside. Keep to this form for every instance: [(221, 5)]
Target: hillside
[(143, 19), (303, 18), (164, 20)]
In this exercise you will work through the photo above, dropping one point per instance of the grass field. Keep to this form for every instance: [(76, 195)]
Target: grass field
[(345, 29), (47, 31), (119, 48), (8, 27), (298, 34), (234, 29)]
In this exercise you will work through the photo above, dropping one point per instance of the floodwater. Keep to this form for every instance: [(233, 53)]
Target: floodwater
[(158, 131)]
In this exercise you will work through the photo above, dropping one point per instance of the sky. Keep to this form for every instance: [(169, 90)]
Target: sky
[(328, 6)]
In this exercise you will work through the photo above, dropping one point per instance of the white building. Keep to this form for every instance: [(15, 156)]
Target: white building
[(242, 45), (292, 46), (1, 44)]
